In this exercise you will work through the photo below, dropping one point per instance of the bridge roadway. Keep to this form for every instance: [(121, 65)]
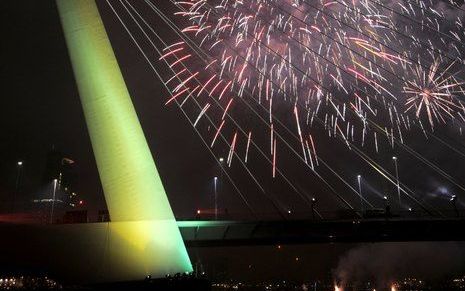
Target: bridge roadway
[(96, 248), (201, 233)]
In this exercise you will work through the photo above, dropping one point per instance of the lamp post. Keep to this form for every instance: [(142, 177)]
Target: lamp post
[(387, 207), (397, 177), (359, 180), (19, 169), (215, 185), (313, 207), (53, 199), (218, 180), (453, 199)]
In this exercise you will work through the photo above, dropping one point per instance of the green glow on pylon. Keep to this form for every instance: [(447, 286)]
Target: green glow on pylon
[(131, 183)]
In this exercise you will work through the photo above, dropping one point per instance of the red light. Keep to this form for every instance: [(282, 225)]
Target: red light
[(81, 202), (198, 211)]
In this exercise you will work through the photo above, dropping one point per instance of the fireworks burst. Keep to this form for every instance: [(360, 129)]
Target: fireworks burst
[(339, 62), (361, 72), (435, 92)]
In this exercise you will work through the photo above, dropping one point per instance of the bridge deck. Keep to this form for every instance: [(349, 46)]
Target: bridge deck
[(200, 233)]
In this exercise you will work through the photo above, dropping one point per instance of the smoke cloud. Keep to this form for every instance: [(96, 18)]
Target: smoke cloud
[(383, 263)]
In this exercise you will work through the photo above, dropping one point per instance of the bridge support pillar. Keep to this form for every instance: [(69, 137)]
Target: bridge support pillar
[(131, 183)]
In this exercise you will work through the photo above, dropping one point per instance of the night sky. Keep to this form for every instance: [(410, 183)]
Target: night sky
[(40, 109)]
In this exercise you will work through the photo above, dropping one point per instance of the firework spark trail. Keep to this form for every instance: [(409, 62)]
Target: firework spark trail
[(354, 190), (354, 29), (267, 84), (448, 104), (427, 47), (317, 212), (392, 138), (185, 114), (153, 45), (318, 175), (364, 42), (288, 83), (276, 169), (409, 18)]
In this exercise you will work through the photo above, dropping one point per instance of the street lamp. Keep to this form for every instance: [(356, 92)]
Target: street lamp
[(397, 178), (453, 199), (313, 207), (385, 198), (55, 181), (215, 180), (387, 207), (18, 182), (359, 180)]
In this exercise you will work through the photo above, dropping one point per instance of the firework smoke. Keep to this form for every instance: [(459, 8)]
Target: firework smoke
[(385, 263)]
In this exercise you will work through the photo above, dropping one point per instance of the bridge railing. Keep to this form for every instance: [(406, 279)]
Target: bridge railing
[(74, 217), (331, 215)]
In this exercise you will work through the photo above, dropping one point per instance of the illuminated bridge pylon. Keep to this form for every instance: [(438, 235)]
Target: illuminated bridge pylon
[(142, 237)]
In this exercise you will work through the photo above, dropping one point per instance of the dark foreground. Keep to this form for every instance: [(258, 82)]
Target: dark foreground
[(176, 283)]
